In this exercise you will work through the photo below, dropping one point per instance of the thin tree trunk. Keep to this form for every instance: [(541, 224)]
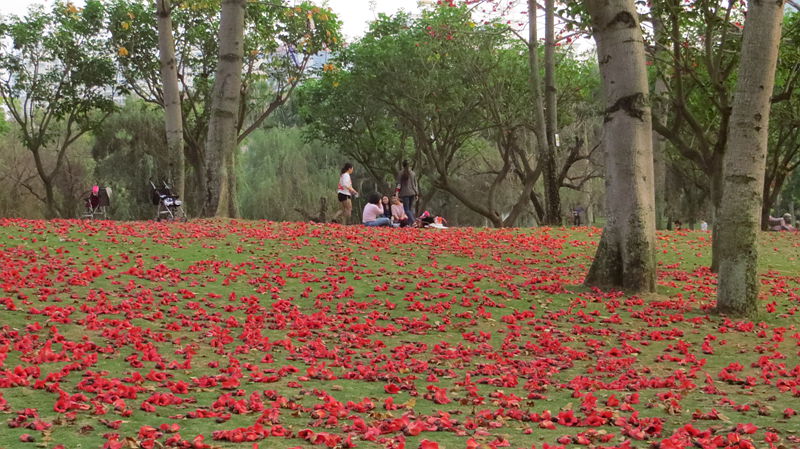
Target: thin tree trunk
[(626, 254), (222, 131), (659, 142), (551, 112), (586, 194), (745, 159), (233, 186), (173, 120), (552, 201)]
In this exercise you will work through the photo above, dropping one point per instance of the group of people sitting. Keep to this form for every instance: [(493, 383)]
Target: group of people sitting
[(380, 211)]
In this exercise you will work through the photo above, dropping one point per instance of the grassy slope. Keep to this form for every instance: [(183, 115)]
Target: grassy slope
[(347, 297)]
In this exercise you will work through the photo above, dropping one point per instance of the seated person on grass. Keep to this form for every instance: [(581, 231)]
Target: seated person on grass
[(386, 205), (783, 223), (399, 217), (373, 212)]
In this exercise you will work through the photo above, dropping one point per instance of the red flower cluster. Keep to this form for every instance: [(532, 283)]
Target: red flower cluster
[(281, 334)]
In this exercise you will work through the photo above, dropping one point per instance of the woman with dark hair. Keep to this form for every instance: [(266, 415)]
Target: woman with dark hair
[(407, 189), (373, 212), (387, 207), (345, 193)]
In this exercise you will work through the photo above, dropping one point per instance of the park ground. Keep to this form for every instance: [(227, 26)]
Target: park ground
[(242, 334)]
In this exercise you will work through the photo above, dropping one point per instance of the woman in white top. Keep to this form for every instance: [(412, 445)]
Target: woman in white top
[(345, 192)]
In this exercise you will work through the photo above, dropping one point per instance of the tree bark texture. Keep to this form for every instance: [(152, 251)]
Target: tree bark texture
[(173, 120), (221, 142), (745, 159), (625, 257), (545, 148)]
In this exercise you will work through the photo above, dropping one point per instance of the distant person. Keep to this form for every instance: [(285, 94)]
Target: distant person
[(678, 225), (373, 212), (576, 217), (399, 216), (345, 193), (703, 226), (783, 223), (407, 188)]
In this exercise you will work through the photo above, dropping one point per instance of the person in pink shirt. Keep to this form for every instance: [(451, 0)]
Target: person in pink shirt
[(373, 212), (399, 213)]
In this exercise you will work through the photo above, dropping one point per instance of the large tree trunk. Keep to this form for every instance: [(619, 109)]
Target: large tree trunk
[(626, 255), (745, 159), (552, 215), (222, 127), (173, 120)]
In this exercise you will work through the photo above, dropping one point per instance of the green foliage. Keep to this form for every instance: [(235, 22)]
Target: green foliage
[(279, 44), (57, 83), (409, 80), (280, 172), (447, 93), (55, 67), (22, 194), (129, 151), (784, 144), (4, 125)]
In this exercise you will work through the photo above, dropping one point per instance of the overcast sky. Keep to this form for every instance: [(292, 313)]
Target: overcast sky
[(355, 14)]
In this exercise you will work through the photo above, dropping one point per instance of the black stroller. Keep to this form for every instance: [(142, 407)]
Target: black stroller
[(96, 203), (169, 206)]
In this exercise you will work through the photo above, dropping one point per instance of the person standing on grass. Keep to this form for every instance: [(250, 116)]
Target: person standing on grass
[(407, 189), (373, 212), (345, 193)]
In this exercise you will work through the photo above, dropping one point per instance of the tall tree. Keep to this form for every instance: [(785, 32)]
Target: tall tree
[(57, 84), (744, 161), (280, 45), (552, 193), (783, 150), (547, 160), (626, 254), (222, 141), (700, 46), (173, 116)]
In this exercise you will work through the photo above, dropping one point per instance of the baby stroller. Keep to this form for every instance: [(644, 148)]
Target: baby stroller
[(96, 203), (170, 207)]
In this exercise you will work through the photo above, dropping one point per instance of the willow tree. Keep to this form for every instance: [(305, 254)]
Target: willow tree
[(745, 159), (625, 257)]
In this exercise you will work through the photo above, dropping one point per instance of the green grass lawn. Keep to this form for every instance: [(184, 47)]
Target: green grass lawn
[(213, 333)]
